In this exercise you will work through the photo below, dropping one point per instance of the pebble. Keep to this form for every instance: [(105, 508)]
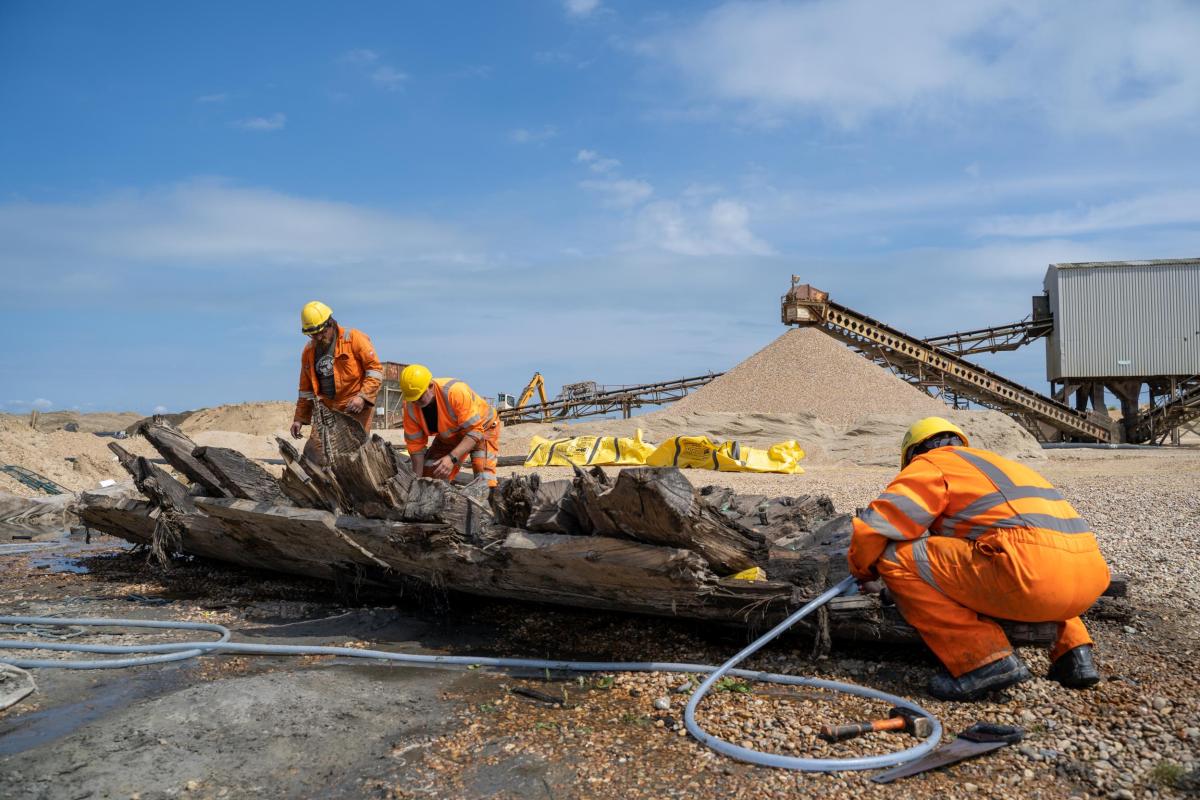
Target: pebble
[(662, 703), (970, 787), (1159, 703), (1130, 629)]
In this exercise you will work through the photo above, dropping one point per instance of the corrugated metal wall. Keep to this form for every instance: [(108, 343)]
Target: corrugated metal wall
[(1124, 319)]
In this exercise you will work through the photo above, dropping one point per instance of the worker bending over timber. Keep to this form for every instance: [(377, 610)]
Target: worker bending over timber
[(460, 422), (962, 532), (338, 367)]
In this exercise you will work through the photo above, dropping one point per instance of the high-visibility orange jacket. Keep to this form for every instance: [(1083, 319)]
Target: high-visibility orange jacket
[(356, 371), (965, 493), (460, 412)]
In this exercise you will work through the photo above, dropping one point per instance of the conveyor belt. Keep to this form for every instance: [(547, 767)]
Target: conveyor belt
[(1156, 424), (607, 399), (927, 365), (994, 339)]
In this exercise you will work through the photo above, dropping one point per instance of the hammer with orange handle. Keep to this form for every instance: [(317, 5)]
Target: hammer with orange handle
[(899, 719)]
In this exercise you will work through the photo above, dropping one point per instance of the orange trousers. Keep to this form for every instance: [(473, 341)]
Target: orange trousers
[(483, 456), (942, 585)]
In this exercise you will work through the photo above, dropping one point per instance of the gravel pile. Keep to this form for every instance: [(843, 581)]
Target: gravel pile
[(805, 370)]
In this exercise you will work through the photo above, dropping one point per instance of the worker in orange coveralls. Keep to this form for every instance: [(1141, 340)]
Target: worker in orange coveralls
[(338, 367), (459, 421), (963, 532)]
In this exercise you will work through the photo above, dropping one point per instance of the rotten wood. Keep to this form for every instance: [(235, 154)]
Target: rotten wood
[(660, 506), (240, 476), (174, 446)]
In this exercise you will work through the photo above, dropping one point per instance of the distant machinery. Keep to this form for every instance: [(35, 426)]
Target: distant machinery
[(589, 399), (1115, 325), (938, 372)]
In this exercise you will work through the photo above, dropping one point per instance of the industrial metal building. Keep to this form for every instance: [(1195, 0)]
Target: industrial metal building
[(1122, 326)]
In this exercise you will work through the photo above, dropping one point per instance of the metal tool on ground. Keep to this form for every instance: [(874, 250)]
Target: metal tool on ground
[(898, 719), (980, 738)]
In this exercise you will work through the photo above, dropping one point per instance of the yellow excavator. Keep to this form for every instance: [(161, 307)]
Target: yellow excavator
[(536, 384)]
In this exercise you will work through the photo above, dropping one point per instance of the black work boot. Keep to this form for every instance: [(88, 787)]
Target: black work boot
[(1000, 674), (1075, 669)]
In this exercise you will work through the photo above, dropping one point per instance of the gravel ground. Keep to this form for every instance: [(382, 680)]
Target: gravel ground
[(1135, 735)]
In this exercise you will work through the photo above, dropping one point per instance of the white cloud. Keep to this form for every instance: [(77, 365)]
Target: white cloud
[(212, 98), (210, 223), (360, 55), (261, 124), (389, 78), (370, 64), (533, 136), (620, 192), (722, 228), (41, 404), (581, 8), (1164, 208), (160, 409), (1107, 64), (597, 163)]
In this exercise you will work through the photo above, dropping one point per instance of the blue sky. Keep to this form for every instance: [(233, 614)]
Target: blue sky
[(613, 191)]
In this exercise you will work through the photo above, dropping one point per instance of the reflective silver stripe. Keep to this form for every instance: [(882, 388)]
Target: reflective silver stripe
[(307, 396), (476, 435), (444, 391), (920, 554), (990, 501), (889, 552), (414, 436), (1010, 491), (906, 506), (374, 373), (469, 422), (420, 452), (1047, 522), (478, 454), (994, 473), (881, 525)]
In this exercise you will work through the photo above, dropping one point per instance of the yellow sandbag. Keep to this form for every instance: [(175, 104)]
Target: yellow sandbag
[(700, 452), (781, 457), (586, 451)]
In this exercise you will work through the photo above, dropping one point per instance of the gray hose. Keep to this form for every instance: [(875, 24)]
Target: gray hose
[(180, 650)]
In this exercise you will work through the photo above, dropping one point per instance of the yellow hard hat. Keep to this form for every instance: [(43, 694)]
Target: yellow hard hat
[(923, 429), (414, 380), (314, 317)]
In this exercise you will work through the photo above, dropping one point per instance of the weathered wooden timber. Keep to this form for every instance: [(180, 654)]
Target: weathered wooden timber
[(240, 476), (176, 448), (645, 541)]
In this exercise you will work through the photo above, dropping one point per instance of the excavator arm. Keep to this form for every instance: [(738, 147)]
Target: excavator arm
[(536, 383)]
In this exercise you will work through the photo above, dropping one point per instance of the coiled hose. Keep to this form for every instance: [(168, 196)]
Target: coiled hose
[(177, 651)]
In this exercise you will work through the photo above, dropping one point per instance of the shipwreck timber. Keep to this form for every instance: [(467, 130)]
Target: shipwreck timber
[(645, 542)]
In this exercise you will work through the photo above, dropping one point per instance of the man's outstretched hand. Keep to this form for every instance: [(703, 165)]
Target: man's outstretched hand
[(296, 426), (355, 404)]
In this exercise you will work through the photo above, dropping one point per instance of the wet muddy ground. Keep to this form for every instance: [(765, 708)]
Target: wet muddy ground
[(251, 726)]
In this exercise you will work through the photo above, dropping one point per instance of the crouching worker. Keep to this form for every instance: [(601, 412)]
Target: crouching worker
[(962, 532), (460, 422)]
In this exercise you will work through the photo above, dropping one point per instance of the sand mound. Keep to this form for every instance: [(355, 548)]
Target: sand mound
[(85, 423), (261, 419), (805, 371), (75, 460)]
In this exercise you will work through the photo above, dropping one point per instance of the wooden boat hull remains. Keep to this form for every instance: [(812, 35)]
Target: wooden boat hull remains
[(645, 542)]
